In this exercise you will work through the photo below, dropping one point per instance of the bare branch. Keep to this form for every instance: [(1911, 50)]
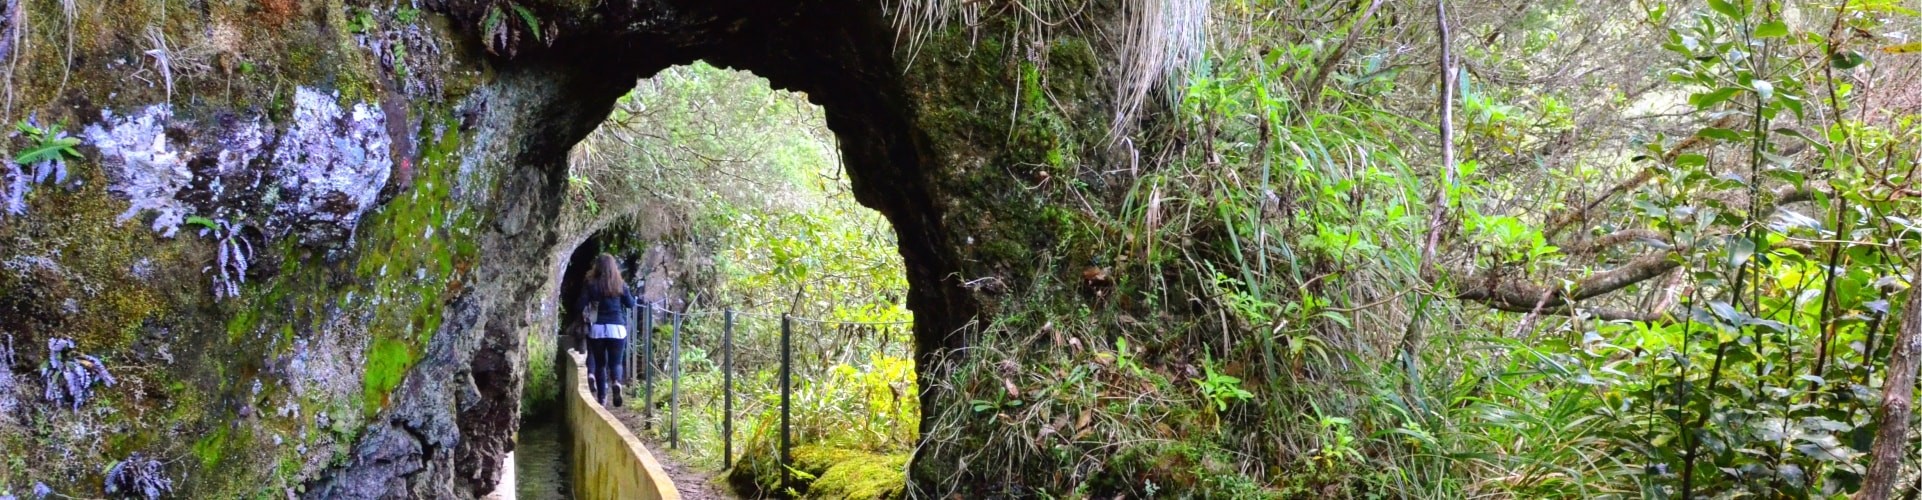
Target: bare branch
[(1341, 51), (1446, 66), (1607, 241), (1520, 296)]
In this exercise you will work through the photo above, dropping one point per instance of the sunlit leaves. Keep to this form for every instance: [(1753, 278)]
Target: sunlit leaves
[(1707, 99), (1726, 8), (1739, 252)]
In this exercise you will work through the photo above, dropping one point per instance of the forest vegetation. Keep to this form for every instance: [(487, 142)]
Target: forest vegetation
[(1513, 249), (1040, 248)]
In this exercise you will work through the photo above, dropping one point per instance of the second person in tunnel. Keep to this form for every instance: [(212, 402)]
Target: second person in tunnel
[(609, 300)]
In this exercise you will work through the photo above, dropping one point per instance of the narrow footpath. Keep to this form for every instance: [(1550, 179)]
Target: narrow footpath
[(694, 483)]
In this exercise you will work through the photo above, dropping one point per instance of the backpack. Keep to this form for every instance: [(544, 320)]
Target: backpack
[(591, 313)]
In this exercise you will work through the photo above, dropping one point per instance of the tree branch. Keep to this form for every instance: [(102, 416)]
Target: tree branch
[(1604, 242), (1520, 296), (1328, 65), (1447, 129)]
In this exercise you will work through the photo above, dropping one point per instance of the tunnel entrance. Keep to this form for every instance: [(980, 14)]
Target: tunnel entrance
[(551, 94), (727, 205)]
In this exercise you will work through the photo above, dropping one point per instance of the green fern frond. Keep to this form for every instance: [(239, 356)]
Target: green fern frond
[(527, 16)]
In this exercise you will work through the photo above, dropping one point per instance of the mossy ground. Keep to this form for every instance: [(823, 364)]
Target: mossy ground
[(822, 472)]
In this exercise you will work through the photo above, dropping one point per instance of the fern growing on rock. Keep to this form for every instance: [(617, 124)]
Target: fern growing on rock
[(48, 149), (13, 194), (233, 257), (138, 476), (7, 383), (70, 375)]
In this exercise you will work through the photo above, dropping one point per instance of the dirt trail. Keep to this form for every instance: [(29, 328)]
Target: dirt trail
[(695, 484)]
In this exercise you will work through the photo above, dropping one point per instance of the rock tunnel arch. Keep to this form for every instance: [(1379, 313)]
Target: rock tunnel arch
[(404, 383), (841, 54)]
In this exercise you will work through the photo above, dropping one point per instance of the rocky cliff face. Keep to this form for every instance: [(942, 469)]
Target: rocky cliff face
[(297, 244)]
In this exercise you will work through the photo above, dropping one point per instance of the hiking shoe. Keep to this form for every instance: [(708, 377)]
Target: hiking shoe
[(618, 400)]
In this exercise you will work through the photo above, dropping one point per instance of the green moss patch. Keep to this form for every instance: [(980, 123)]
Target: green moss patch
[(863, 476), (387, 363), (822, 472)]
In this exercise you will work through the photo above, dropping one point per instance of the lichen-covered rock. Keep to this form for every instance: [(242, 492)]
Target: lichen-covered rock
[(143, 167), (14, 186), (330, 165), (325, 171)]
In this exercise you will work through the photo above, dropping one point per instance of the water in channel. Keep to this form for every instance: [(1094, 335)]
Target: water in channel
[(540, 461)]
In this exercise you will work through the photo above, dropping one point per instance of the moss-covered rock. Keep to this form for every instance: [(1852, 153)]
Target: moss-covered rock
[(822, 472), (863, 477)]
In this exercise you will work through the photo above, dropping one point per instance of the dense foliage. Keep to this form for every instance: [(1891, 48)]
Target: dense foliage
[(1714, 201), (1665, 251)]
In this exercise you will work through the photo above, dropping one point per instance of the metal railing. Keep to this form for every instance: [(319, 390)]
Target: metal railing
[(643, 367)]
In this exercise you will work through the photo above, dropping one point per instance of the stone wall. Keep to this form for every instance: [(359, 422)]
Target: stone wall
[(606, 461)]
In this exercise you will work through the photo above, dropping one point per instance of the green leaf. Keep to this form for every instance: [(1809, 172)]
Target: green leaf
[(1825, 447), (1818, 145), (1725, 8), (1706, 99), (1721, 133), (1691, 160), (1740, 252), (1727, 312), (1772, 29), (48, 151), (195, 220), (1793, 103), (533, 23), (1847, 59), (492, 21)]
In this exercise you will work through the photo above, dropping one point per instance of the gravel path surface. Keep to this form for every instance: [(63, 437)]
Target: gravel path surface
[(695, 484)]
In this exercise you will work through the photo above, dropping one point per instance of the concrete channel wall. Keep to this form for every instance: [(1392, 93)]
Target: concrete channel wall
[(607, 461)]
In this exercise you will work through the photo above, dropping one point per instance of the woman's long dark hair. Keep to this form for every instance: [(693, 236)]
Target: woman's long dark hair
[(605, 278)]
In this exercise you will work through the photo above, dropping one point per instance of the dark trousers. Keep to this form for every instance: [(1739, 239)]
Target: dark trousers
[(604, 362)]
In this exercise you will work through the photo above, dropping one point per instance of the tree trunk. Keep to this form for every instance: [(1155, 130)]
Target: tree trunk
[(1898, 400), (1445, 98)]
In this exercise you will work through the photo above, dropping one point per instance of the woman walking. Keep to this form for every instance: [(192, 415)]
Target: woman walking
[(608, 297)]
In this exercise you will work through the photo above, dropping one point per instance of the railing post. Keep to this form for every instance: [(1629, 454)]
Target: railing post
[(627, 355), (787, 372), (647, 365), (727, 390), (674, 393)]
